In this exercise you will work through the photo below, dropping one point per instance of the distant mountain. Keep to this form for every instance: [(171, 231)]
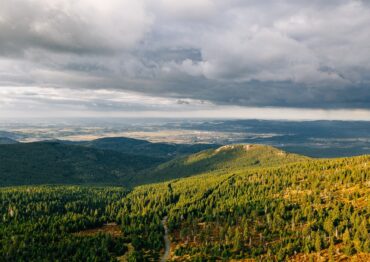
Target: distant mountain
[(310, 138), (116, 161), (142, 147), (229, 157), (7, 141), (10, 135), (57, 163)]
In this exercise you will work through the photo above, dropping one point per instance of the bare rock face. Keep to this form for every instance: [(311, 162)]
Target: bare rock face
[(281, 153), (248, 147), (245, 147), (11, 212), (224, 148)]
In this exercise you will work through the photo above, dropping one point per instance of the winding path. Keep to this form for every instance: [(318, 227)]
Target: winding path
[(167, 242)]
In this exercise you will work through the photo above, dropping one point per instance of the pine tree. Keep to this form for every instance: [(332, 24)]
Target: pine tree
[(348, 248), (331, 250), (318, 242)]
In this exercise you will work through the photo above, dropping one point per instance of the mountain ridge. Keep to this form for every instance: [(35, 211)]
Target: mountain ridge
[(227, 157), (57, 163), (143, 147)]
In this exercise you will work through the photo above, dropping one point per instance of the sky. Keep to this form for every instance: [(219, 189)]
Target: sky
[(273, 59)]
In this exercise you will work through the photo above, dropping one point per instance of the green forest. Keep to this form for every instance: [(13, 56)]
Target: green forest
[(106, 161), (232, 203)]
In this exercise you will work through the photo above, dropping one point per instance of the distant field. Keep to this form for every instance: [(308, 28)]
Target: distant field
[(311, 138)]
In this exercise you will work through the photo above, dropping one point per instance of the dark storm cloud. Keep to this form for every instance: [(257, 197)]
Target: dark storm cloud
[(261, 94), (312, 54)]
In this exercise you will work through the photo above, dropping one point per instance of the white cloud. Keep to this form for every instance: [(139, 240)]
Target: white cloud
[(236, 52), (52, 102), (55, 99), (74, 25), (24, 102), (187, 10), (305, 44)]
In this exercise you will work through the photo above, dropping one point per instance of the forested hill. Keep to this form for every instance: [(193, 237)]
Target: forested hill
[(230, 157), (106, 161), (117, 161), (315, 210), (57, 163)]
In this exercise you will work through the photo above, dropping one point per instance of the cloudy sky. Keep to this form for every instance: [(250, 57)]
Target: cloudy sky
[(195, 58)]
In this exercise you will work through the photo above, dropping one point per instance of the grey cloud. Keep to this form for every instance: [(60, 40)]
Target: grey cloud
[(261, 94), (251, 53), (82, 27), (182, 102)]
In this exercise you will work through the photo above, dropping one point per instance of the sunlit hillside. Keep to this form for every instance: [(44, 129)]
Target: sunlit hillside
[(229, 157), (304, 210)]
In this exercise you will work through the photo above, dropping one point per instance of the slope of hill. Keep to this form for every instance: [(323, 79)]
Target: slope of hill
[(143, 147), (230, 157), (314, 210), (103, 161), (53, 162)]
